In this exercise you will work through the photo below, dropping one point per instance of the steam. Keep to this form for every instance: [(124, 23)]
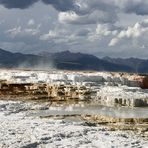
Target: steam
[(39, 65)]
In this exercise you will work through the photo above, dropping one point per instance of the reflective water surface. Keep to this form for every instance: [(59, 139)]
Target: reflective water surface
[(91, 109)]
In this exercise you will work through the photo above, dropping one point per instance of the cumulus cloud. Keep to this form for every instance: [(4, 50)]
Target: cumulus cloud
[(113, 42), (49, 35), (73, 11), (31, 22), (106, 29), (62, 37), (19, 31), (72, 17), (103, 31), (90, 12), (132, 32), (14, 31), (86, 11), (102, 11)]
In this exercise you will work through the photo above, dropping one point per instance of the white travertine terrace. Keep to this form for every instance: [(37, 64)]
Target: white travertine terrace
[(108, 88), (20, 76), (125, 96)]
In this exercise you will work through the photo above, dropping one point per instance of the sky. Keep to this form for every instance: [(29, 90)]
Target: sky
[(115, 28)]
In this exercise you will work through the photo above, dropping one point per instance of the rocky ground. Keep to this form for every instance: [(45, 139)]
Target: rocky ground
[(20, 130)]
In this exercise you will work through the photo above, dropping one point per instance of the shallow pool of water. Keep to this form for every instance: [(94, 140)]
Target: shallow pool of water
[(92, 109)]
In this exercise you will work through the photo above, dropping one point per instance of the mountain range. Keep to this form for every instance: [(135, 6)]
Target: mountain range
[(67, 60)]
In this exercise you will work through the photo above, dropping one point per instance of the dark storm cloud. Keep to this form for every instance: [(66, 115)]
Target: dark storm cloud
[(60, 5), (22, 4), (139, 7)]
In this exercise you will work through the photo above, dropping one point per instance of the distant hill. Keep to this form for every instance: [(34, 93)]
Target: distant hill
[(15, 60), (138, 65), (80, 61), (67, 60)]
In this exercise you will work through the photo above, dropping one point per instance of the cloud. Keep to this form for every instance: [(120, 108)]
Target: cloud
[(83, 32), (139, 7), (83, 7), (31, 22), (97, 16), (19, 31), (113, 42), (132, 32), (73, 11), (65, 37), (61, 5), (89, 12), (22, 4), (51, 34), (31, 31), (103, 32), (12, 45), (106, 29), (2, 22), (83, 12), (14, 31)]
